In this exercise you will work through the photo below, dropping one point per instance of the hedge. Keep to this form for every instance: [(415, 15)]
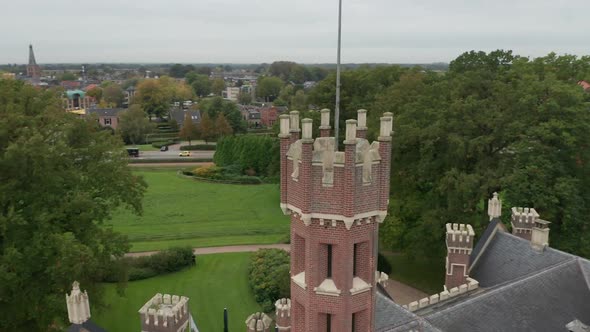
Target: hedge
[(203, 147), (169, 160), (222, 175), (159, 144), (253, 155), (143, 267)]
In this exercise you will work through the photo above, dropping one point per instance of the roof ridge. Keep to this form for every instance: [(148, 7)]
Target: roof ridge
[(584, 274), (501, 287)]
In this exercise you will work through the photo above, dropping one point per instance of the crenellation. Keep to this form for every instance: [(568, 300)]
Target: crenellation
[(164, 313), (446, 294)]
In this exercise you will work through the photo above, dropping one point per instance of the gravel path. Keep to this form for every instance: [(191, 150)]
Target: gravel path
[(220, 250)]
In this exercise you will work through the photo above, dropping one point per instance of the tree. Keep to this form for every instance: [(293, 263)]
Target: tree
[(217, 86), (134, 125), (299, 101), (244, 98), (200, 83), (96, 93), (152, 98), (206, 128), (222, 127), (269, 87), (65, 178), (217, 105), (67, 76), (113, 95), (179, 70), (269, 276), (189, 130)]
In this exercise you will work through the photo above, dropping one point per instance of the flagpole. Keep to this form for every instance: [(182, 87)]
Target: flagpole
[(337, 108)]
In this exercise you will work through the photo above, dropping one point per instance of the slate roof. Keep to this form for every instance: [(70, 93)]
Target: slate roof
[(521, 289), (179, 114), (105, 112), (87, 326)]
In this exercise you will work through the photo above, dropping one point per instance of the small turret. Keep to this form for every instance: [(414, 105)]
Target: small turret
[(459, 246), (283, 313), (78, 305), (523, 220), (258, 322)]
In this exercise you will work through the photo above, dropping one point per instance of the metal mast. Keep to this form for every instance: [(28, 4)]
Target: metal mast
[(337, 108)]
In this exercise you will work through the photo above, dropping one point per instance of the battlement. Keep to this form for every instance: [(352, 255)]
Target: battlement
[(320, 182), (460, 237), (283, 314), (164, 313), (446, 294), (258, 322), (524, 216)]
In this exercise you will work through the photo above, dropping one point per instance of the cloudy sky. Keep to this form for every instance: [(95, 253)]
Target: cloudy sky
[(255, 31)]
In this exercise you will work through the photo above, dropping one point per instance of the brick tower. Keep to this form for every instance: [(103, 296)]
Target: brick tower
[(33, 69), (336, 200)]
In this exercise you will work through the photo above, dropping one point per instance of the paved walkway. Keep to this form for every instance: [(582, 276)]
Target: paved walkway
[(221, 250)]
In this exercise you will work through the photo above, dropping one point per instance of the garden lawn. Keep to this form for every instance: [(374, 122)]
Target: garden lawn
[(422, 273), (218, 281), (180, 211)]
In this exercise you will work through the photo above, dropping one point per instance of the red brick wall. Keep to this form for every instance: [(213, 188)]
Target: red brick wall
[(458, 273)]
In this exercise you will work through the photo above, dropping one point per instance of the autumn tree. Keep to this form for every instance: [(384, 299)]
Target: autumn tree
[(61, 177), (207, 128), (222, 127), (113, 95), (269, 88), (217, 86), (189, 130), (152, 98), (200, 84)]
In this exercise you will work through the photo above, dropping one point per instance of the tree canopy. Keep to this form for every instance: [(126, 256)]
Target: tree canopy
[(60, 178)]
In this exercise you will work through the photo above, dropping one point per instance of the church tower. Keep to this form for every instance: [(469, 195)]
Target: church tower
[(336, 200), (33, 70)]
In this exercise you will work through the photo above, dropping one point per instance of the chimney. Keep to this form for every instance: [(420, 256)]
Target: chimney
[(523, 220), (459, 247), (494, 207), (78, 305), (540, 235)]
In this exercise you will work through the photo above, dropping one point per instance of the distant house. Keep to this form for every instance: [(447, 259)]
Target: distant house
[(254, 119), (77, 101), (128, 95), (178, 115), (71, 85), (585, 85), (107, 117), (268, 116)]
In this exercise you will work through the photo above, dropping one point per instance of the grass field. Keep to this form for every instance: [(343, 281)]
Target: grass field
[(425, 274), (182, 211), (217, 281)]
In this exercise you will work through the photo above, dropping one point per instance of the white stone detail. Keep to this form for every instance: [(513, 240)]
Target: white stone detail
[(350, 132), (327, 287), (359, 286), (78, 305), (294, 153), (446, 294), (324, 151), (378, 215), (299, 280), (494, 207)]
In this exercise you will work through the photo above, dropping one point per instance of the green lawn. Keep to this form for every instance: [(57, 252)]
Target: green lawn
[(143, 147), (216, 282), (182, 211), (427, 275)]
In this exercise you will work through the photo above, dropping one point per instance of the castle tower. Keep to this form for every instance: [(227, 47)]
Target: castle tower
[(336, 200), (258, 322), (78, 305), (165, 313), (33, 70), (459, 247)]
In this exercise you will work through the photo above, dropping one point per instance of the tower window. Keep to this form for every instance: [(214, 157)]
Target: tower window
[(353, 322), (354, 259), (328, 322), (329, 271)]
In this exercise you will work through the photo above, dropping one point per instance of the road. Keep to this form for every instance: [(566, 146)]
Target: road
[(173, 154)]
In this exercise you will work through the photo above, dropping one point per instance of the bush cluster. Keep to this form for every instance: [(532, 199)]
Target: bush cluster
[(137, 268), (269, 277), (251, 154), (201, 147), (223, 174)]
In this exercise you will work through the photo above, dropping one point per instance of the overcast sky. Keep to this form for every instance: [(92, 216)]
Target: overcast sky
[(255, 31)]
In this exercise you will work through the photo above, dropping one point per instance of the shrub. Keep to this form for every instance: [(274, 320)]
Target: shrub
[(257, 154), (269, 276), (200, 147), (143, 267), (159, 144)]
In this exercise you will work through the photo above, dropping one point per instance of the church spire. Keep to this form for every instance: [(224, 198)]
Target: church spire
[(32, 61), (33, 70)]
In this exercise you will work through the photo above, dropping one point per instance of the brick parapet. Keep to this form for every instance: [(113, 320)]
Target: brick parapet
[(523, 220), (448, 293)]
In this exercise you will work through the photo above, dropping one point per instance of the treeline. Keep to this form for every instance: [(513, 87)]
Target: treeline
[(254, 155), (494, 122)]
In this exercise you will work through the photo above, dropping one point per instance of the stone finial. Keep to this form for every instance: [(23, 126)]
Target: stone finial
[(494, 207), (362, 119), (307, 125), (258, 322), (78, 305), (386, 128), (350, 132), (294, 115), (285, 126), (325, 114)]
